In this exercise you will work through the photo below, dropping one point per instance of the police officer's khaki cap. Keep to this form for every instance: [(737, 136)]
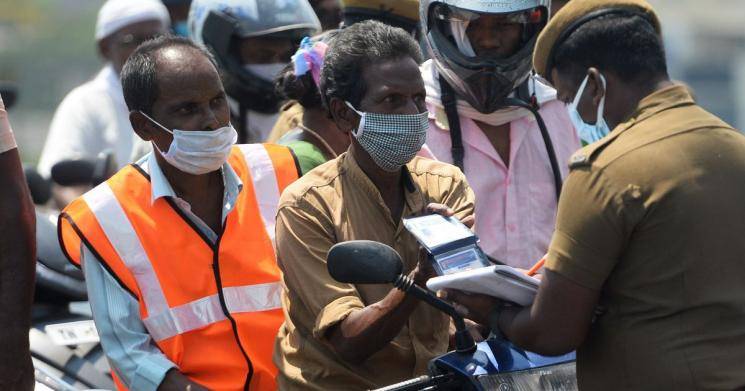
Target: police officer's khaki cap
[(577, 13), (408, 9)]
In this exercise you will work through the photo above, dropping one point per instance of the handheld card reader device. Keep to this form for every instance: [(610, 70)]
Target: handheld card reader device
[(451, 246)]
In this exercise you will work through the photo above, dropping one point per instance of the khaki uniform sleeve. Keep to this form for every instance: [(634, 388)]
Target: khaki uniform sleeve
[(591, 228), (303, 239)]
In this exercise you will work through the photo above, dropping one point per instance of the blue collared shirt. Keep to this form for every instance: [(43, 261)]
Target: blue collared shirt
[(133, 355), (161, 188)]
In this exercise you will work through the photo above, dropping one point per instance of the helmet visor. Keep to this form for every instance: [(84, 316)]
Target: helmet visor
[(450, 13), (489, 36)]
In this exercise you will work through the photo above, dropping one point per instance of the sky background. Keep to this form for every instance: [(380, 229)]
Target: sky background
[(47, 48)]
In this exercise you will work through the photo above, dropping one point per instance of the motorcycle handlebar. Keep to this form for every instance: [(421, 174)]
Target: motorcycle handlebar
[(407, 385), (444, 381)]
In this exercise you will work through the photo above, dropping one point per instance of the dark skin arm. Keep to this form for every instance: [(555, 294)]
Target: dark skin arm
[(556, 323), (366, 331), (17, 267)]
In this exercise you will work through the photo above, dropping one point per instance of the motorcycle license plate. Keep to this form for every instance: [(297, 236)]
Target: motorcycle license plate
[(72, 333)]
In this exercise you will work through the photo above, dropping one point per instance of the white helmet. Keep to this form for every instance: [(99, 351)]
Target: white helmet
[(217, 24), (484, 82)]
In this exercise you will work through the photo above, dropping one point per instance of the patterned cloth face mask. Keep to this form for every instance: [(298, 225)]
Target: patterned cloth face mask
[(588, 133), (392, 140)]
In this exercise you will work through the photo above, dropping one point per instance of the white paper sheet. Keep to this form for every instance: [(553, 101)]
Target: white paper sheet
[(503, 282)]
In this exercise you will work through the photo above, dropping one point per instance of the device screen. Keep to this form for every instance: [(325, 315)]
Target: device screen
[(460, 260), (435, 230)]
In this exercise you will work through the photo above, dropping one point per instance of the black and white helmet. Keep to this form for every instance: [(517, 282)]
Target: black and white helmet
[(483, 81), (217, 24)]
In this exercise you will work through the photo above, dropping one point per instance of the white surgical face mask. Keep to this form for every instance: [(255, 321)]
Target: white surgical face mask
[(588, 133), (198, 152), (265, 71)]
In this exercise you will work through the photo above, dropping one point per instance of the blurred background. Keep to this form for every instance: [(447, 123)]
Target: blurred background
[(47, 48)]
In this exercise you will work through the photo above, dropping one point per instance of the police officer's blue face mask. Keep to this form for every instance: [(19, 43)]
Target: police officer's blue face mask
[(589, 133)]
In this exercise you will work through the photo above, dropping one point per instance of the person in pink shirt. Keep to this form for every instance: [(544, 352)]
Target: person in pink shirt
[(486, 111)]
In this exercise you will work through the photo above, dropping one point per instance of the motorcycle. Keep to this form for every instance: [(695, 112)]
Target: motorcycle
[(63, 338), (65, 347), (494, 364), (64, 344)]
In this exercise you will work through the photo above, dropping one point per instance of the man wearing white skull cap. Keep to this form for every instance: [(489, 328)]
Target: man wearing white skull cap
[(93, 117)]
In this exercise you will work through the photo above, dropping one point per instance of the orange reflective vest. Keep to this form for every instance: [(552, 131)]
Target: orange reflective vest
[(214, 310)]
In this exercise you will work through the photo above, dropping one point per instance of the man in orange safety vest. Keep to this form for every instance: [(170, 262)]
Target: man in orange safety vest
[(177, 249)]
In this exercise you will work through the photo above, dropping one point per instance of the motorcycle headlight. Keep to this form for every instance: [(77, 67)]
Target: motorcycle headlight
[(560, 377)]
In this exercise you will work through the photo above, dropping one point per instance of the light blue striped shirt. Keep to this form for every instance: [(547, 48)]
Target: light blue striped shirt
[(133, 355)]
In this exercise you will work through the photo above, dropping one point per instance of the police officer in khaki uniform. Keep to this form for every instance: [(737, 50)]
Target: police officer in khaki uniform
[(645, 272), (396, 13)]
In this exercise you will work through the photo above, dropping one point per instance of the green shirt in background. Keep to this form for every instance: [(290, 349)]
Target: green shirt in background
[(308, 155)]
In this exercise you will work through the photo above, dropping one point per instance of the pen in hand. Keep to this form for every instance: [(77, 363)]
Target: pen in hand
[(538, 265)]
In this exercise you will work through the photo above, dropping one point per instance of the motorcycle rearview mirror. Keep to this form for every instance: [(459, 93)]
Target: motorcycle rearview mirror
[(364, 262), (39, 187), (369, 262), (84, 171), (74, 172), (9, 92), (106, 166)]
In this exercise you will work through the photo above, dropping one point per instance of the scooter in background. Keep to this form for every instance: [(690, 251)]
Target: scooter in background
[(494, 364), (63, 338), (65, 346)]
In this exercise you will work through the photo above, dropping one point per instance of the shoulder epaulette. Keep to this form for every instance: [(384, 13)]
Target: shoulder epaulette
[(587, 154)]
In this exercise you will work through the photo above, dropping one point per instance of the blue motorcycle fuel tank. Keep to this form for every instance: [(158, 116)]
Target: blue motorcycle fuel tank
[(496, 357)]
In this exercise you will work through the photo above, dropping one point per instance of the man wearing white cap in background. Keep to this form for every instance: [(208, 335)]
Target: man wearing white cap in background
[(93, 117)]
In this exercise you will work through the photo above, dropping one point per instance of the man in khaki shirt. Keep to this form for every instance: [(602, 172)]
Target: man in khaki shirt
[(351, 337), (645, 270)]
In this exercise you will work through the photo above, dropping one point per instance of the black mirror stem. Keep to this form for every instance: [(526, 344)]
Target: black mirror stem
[(463, 339)]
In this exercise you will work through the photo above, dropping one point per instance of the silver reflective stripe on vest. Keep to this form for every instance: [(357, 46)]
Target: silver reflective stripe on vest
[(252, 298), (164, 322), (123, 238), (205, 311), (185, 318), (265, 183)]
